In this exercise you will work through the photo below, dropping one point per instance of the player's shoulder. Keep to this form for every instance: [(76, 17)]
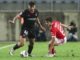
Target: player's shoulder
[(26, 10)]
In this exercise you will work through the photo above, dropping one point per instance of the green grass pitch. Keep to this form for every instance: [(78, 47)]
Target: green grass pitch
[(69, 51)]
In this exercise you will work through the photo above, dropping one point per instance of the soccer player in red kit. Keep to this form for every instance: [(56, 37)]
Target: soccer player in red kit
[(57, 34)]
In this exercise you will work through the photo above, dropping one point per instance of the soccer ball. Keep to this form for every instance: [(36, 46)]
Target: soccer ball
[(24, 54)]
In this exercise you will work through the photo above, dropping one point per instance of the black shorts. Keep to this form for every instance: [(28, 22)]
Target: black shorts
[(27, 32)]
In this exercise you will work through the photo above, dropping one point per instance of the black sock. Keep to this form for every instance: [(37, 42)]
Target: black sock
[(16, 47), (30, 48)]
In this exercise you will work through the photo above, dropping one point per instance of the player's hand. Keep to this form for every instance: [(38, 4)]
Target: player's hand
[(70, 27), (10, 21)]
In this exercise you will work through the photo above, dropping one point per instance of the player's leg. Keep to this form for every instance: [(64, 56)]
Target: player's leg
[(20, 44), (75, 37), (58, 42), (17, 46), (31, 36), (70, 36), (53, 49), (31, 45), (51, 46), (55, 44)]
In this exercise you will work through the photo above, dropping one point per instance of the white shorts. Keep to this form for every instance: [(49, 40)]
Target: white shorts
[(61, 41)]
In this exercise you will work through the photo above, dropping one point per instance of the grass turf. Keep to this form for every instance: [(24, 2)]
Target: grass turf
[(69, 51)]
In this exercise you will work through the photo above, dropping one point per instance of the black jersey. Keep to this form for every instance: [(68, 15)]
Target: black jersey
[(29, 18)]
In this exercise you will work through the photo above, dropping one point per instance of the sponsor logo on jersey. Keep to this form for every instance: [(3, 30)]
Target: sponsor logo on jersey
[(31, 18)]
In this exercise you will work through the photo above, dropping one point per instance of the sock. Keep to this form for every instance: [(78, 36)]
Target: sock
[(16, 47), (30, 48), (53, 50)]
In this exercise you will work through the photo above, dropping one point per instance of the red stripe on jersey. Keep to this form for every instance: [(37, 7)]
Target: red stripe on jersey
[(57, 30)]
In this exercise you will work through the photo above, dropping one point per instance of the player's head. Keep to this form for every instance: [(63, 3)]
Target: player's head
[(48, 21), (31, 5)]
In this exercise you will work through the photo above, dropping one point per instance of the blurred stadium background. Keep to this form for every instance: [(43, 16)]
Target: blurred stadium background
[(64, 10)]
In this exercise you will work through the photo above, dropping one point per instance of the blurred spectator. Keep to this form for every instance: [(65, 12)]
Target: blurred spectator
[(72, 36), (36, 32), (39, 34), (42, 35)]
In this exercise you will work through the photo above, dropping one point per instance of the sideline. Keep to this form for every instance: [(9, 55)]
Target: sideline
[(6, 46)]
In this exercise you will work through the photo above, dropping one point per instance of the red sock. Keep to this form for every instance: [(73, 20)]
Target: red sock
[(53, 50)]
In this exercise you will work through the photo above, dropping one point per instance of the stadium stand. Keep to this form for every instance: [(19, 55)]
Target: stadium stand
[(9, 8)]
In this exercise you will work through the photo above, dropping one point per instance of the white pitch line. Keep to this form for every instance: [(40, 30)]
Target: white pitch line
[(6, 46)]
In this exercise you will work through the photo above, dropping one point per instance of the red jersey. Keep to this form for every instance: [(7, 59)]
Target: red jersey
[(57, 30)]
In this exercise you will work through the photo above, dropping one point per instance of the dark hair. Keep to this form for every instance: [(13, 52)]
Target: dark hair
[(49, 19), (31, 3), (73, 23)]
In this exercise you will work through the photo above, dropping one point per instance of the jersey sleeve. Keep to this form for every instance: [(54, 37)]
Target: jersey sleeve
[(53, 32), (23, 13), (19, 15)]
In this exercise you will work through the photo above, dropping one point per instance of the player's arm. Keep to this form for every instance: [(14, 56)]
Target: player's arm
[(51, 45), (38, 22), (65, 26), (14, 19)]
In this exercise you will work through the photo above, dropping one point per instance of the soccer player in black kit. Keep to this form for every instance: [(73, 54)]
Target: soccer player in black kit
[(29, 17)]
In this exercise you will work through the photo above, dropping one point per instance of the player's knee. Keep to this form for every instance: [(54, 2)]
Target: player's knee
[(49, 42), (31, 44), (49, 45), (22, 44)]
